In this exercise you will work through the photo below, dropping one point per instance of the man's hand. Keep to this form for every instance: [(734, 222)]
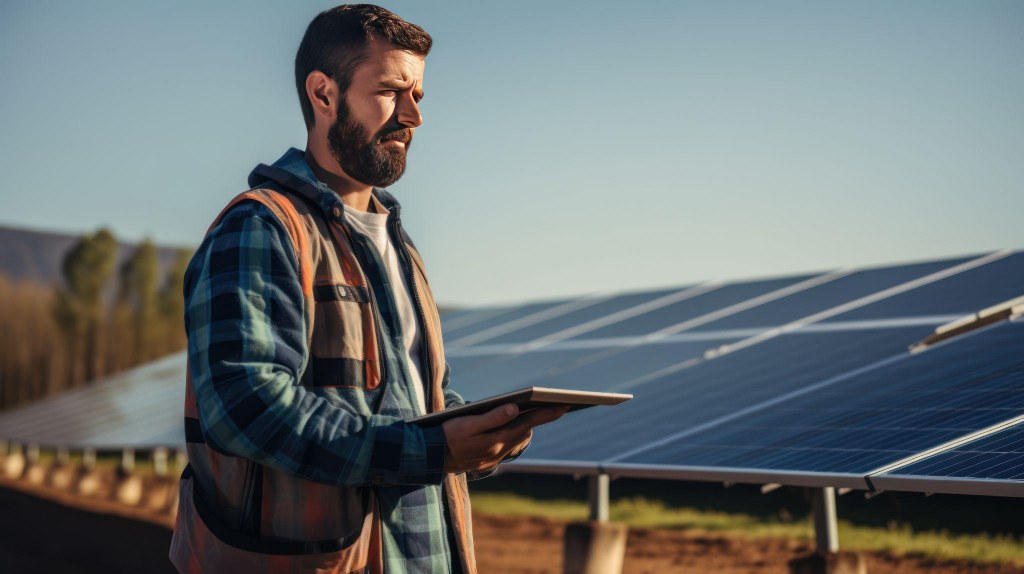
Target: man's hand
[(479, 442)]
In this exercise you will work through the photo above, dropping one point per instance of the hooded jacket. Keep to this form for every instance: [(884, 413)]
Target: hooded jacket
[(300, 459)]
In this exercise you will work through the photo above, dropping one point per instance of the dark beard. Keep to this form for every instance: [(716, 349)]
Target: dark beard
[(363, 158)]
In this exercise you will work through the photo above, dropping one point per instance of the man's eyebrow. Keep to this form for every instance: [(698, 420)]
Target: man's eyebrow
[(400, 85)]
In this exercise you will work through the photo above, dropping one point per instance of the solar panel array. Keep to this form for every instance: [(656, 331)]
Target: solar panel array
[(796, 380), (139, 408), (801, 380)]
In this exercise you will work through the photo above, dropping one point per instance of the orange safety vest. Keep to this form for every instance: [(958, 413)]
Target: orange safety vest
[(237, 515)]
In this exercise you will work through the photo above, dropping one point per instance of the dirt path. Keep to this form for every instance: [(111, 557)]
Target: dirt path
[(534, 546)]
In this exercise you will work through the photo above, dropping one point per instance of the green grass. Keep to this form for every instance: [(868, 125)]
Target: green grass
[(646, 513)]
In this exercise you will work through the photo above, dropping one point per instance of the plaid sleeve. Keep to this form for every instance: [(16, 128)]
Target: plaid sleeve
[(247, 350)]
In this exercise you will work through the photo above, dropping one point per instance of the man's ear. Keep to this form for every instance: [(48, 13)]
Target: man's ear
[(322, 92)]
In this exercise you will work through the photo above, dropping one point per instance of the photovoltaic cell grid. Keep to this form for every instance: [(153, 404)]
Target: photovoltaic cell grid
[(736, 380), (963, 293), (998, 456), (598, 310), (616, 366), (872, 419), (492, 318), (568, 368), (140, 408), (689, 308), (715, 388), (828, 295)]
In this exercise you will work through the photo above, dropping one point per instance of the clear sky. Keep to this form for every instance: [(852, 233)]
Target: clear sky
[(568, 147)]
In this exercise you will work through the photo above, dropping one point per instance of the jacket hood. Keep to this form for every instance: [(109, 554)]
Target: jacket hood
[(292, 172)]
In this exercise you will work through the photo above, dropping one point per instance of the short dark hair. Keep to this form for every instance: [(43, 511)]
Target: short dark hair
[(336, 43)]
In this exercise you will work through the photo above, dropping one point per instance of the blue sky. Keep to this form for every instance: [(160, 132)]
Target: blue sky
[(568, 148)]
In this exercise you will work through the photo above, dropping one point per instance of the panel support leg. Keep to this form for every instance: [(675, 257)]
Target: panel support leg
[(826, 531), (596, 546), (598, 496)]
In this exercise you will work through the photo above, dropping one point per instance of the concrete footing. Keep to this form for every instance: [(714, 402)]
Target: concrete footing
[(839, 563), (595, 547), (64, 477), (36, 472), (95, 483), (129, 490), (14, 465)]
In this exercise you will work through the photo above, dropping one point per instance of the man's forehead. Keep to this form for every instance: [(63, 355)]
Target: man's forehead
[(388, 62)]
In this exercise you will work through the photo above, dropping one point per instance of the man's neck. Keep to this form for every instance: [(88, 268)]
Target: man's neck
[(353, 194)]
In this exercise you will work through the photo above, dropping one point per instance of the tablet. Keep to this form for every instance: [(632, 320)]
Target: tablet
[(528, 398)]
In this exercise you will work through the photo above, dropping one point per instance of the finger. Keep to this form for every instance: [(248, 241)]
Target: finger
[(521, 446), (512, 438), (539, 416), (492, 419)]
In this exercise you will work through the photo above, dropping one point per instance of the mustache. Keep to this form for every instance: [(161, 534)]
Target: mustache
[(401, 134)]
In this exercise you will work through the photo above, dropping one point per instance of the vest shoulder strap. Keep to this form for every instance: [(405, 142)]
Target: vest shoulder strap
[(285, 211)]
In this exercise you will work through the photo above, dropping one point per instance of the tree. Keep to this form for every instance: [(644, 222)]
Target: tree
[(79, 310), (138, 292), (172, 302)]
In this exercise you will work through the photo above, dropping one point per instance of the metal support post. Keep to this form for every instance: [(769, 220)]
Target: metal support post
[(160, 461), (826, 532), (598, 496), (128, 459), (89, 458)]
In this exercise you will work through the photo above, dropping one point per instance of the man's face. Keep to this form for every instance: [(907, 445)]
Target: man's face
[(377, 115)]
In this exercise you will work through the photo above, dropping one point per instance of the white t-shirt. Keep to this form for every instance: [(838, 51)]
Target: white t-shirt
[(374, 226)]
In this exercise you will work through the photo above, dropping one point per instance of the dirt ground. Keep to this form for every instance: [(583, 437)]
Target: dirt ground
[(43, 535), (513, 545)]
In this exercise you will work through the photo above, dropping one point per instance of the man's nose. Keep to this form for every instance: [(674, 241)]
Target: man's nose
[(409, 111)]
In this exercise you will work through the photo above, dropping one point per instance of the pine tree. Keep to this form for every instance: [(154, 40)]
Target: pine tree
[(172, 303), (138, 291), (79, 307)]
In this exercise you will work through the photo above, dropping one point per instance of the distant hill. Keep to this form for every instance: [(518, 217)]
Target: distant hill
[(27, 254)]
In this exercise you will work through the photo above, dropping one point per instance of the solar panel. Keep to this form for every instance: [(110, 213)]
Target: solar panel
[(617, 368), (480, 376), (827, 295), (689, 308), (874, 417), (708, 390), (129, 409), (963, 293), (597, 311), (497, 317), (998, 456), (572, 368)]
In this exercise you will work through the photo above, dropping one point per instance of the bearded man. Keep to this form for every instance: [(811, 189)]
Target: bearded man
[(313, 336)]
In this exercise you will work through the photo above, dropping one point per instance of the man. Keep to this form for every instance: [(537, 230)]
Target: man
[(313, 335)]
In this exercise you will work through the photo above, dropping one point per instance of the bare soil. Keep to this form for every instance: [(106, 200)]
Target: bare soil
[(516, 545)]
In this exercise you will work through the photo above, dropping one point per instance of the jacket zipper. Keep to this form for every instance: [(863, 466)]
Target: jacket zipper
[(407, 261)]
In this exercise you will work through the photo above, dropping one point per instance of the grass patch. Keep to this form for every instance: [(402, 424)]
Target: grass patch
[(646, 513)]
